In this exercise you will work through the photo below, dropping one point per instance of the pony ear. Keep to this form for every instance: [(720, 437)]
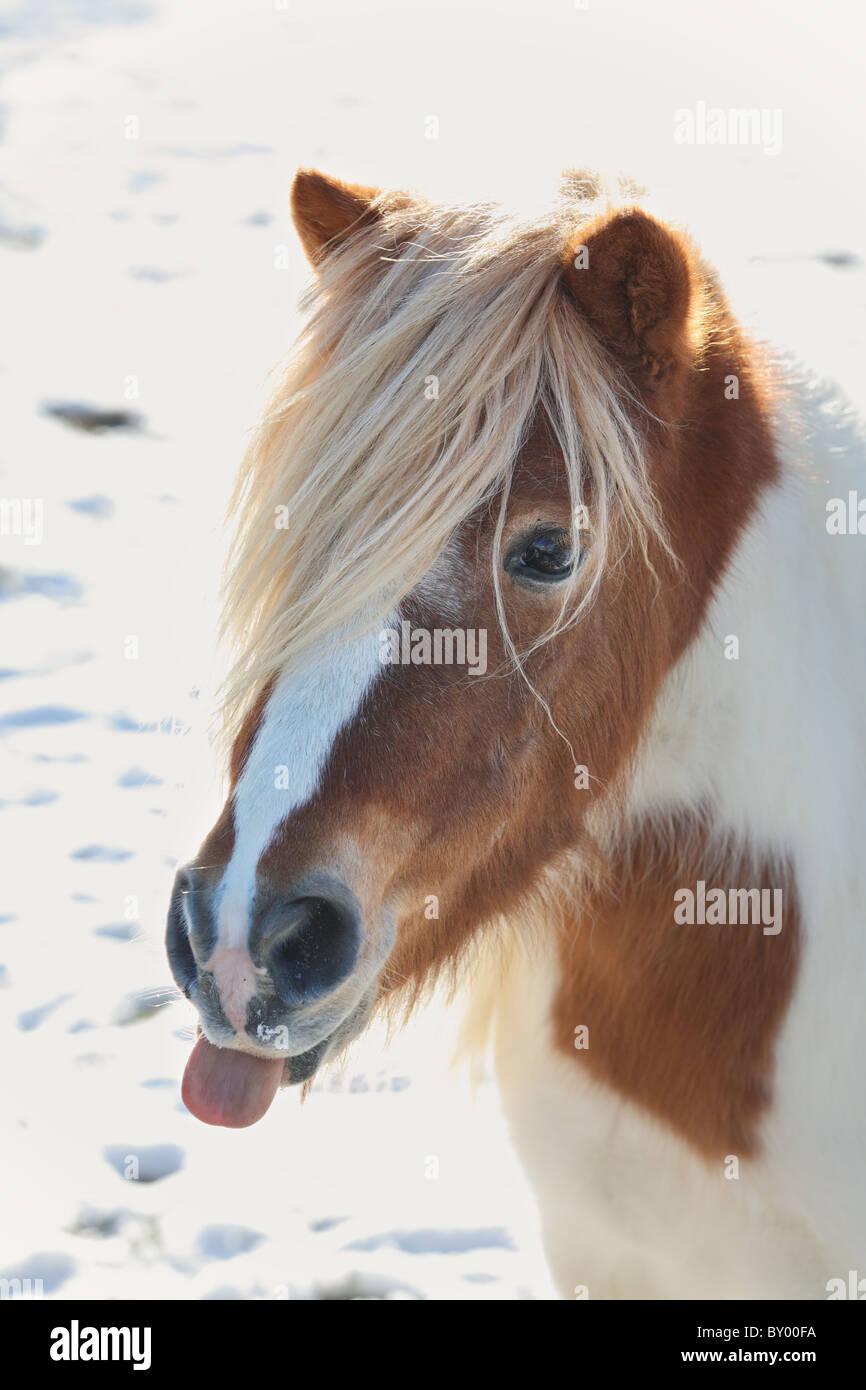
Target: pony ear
[(326, 211), (631, 277)]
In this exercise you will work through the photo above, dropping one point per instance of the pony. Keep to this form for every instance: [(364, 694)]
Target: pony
[(629, 840)]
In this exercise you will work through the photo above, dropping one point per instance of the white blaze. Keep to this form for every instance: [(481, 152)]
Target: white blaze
[(303, 717)]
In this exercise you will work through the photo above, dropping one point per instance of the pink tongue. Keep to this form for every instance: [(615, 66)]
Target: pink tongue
[(224, 1087)]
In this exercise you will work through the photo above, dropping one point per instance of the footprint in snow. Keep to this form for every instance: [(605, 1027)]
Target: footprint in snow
[(137, 777), (40, 717), (97, 506), (92, 419), (144, 1162), (118, 931), (224, 1242), (102, 854), (30, 1019), (143, 1004), (44, 1272)]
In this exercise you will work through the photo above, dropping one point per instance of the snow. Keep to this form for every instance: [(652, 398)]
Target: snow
[(151, 274)]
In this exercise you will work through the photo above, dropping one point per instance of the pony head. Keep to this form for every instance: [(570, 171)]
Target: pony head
[(478, 524)]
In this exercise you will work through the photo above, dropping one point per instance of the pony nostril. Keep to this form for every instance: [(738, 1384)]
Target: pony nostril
[(178, 949), (311, 948)]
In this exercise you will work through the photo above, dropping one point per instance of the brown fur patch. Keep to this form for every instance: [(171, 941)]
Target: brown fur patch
[(682, 1018)]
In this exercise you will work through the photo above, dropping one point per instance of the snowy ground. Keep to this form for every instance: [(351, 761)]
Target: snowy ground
[(146, 155)]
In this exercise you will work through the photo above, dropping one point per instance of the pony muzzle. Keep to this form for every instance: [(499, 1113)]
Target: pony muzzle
[(271, 1006)]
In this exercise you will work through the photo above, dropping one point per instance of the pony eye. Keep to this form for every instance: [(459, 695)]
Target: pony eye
[(544, 558)]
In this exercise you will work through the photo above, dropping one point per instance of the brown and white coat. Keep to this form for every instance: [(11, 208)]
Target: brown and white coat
[(685, 1095)]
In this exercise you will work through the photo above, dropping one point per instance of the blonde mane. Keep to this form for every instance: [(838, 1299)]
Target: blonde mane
[(431, 340)]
